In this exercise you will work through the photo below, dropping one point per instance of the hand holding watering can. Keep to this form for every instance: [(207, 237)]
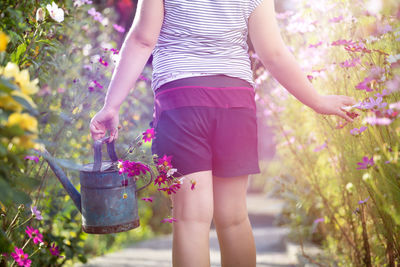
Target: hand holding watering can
[(105, 119), (107, 200)]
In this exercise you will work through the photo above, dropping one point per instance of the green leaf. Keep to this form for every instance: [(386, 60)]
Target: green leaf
[(8, 194), (27, 183), (25, 104), (15, 56), (5, 243), (6, 85)]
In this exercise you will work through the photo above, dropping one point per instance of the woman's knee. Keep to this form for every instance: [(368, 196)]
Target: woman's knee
[(230, 207), (194, 205)]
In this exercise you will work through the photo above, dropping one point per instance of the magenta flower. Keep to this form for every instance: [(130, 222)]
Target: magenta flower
[(168, 190), (350, 63), (357, 131), (161, 179), (319, 148), (34, 234), (132, 168), (148, 199), (97, 84), (143, 78), (343, 42), (34, 158), (36, 213), (365, 84), (193, 182), (336, 19), (315, 45), (119, 28), (115, 51), (103, 62), (21, 258), (365, 163), (164, 164), (148, 135), (169, 220), (54, 249)]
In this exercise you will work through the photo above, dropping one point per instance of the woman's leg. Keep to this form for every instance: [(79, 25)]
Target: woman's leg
[(193, 210), (232, 223)]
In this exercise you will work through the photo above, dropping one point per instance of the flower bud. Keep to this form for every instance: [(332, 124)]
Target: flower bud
[(366, 177), (21, 208), (40, 14), (350, 187)]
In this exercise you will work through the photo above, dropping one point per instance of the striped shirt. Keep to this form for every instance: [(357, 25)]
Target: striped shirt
[(203, 37)]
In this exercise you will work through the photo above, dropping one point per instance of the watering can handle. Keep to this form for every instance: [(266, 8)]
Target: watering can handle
[(151, 180), (97, 152)]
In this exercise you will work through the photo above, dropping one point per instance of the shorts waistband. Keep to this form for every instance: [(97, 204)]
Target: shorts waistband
[(218, 80)]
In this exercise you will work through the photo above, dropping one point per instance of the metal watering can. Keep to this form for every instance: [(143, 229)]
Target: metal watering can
[(102, 205)]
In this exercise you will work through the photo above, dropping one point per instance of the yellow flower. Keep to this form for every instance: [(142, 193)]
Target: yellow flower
[(3, 41), (8, 103), (21, 78), (24, 141), (24, 120)]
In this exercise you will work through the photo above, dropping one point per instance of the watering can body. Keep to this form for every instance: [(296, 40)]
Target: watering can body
[(107, 200)]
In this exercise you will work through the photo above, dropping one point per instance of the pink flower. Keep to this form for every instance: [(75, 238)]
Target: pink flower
[(315, 45), (169, 220), (350, 63), (161, 179), (374, 103), (364, 85), (119, 28), (365, 163), (34, 158), (148, 135), (164, 164), (21, 258), (34, 233), (103, 62), (356, 131), (319, 148), (143, 78), (319, 220), (97, 84), (193, 182), (36, 213), (343, 42), (336, 19), (168, 190), (54, 250), (363, 201), (148, 199)]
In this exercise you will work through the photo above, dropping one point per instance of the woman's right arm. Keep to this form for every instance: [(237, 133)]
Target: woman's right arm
[(265, 35), (135, 51)]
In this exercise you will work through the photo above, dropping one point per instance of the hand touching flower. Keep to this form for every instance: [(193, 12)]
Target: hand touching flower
[(335, 105)]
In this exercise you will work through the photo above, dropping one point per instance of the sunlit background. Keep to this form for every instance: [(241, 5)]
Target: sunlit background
[(340, 181)]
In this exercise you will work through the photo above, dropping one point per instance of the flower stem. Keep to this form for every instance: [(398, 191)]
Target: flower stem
[(8, 231)]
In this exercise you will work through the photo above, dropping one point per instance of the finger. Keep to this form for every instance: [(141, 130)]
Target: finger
[(345, 116), (113, 134), (349, 100)]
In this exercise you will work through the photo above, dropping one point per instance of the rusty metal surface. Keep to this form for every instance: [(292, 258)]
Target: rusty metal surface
[(108, 229)]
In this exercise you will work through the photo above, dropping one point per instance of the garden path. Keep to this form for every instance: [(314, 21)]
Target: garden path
[(273, 250)]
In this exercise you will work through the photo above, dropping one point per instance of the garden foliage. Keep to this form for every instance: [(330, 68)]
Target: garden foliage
[(341, 179)]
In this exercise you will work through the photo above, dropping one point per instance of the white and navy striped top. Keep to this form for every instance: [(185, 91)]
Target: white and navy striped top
[(203, 37)]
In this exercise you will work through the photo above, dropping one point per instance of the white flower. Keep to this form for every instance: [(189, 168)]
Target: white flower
[(171, 172), (393, 58), (40, 14), (56, 13)]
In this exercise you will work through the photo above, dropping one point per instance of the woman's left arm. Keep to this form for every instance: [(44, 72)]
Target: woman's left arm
[(134, 53)]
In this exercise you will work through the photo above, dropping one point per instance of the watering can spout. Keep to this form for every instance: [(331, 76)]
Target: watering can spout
[(62, 177)]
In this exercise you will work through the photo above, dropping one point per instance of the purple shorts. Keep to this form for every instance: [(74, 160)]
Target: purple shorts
[(207, 123)]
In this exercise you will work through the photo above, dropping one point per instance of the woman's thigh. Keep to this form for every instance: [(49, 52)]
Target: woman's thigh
[(197, 204)]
